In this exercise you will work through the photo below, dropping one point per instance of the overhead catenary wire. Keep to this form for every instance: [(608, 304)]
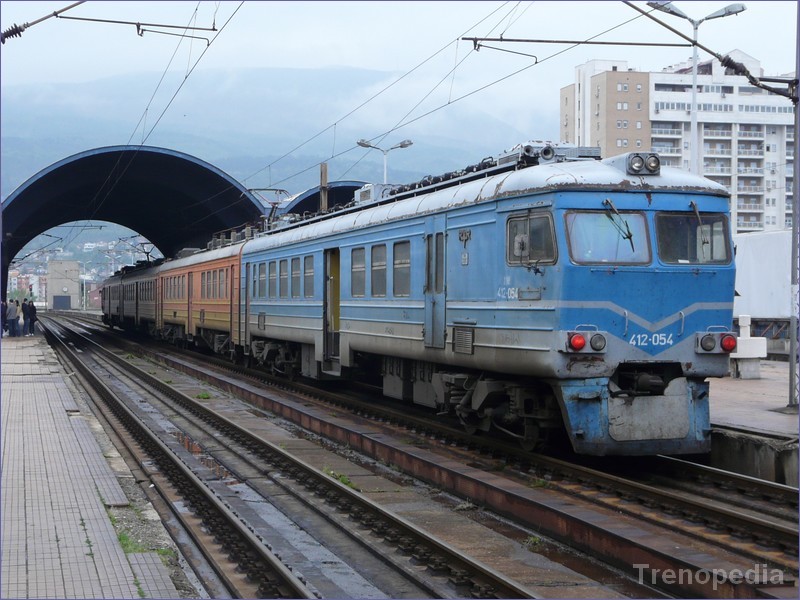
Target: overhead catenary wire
[(111, 180), (459, 98)]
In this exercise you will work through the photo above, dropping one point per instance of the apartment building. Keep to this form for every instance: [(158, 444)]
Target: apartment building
[(745, 134)]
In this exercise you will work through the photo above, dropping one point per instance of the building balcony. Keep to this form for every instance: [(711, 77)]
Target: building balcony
[(744, 206), (666, 150), (746, 133), (750, 171), (660, 131), (717, 151), (749, 152), (750, 189), (719, 170), (749, 225), (723, 133)]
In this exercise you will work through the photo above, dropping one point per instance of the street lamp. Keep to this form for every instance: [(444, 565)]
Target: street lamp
[(668, 7), (83, 282), (403, 144)]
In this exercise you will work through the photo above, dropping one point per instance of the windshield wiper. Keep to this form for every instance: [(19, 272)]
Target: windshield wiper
[(703, 239), (620, 224)]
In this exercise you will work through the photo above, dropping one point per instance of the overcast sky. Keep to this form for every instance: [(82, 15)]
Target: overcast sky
[(387, 36)]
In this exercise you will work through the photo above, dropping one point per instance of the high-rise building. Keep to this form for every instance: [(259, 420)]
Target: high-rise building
[(745, 134)]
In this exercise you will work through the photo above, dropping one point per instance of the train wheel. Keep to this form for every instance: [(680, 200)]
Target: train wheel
[(470, 422), (535, 438)]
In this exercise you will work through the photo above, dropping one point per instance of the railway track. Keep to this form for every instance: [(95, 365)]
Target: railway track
[(735, 537), (411, 562)]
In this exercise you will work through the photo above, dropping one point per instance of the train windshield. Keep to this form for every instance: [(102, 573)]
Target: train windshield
[(608, 237), (693, 238)]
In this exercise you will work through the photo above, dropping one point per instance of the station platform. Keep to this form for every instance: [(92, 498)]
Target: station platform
[(58, 539), (57, 489), (754, 431)]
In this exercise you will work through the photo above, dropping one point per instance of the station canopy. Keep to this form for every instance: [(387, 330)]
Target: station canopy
[(175, 200)]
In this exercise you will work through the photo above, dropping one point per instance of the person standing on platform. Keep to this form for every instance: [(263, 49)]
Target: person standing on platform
[(33, 317), (11, 318), (3, 310), (26, 317)]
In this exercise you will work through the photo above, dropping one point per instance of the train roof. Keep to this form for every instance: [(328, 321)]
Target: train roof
[(609, 174)]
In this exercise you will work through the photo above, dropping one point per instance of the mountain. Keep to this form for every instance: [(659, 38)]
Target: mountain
[(251, 123)]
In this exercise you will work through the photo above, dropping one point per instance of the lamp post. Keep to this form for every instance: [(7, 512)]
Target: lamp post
[(83, 283), (668, 7), (403, 144)]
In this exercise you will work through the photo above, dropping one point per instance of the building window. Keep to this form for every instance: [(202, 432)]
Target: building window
[(638, 143), (638, 124), (624, 87), (638, 87)]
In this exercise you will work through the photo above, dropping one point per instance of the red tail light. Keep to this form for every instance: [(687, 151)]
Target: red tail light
[(577, 341), (728, 343)]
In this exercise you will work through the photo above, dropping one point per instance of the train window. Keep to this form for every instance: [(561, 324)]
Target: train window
[(295, 278), (262, 278), (283, 282), (254, 274), (401, 273), (358, 272), (692, 238), (273, 280), (223, 283), (378, 265), (608, 237), (530, 240), (214, 281), (308, 276)]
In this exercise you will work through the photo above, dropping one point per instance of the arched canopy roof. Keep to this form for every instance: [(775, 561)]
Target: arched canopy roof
[(339, 193), (173, 199)]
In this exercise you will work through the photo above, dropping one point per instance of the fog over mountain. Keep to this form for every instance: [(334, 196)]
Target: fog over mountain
[(243, 121)]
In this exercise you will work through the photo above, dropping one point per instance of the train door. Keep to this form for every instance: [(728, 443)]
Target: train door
[(331, 308), (435, 324)]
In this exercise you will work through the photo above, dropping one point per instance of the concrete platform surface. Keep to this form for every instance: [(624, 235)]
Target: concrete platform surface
[(752, 404), (57, 537)]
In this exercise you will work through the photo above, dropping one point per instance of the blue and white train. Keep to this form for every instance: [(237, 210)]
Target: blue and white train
[(538, 292)]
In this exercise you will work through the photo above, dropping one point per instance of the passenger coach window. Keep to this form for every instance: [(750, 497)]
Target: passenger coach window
[(379, 270), (283, 284), (358, 284), (530, 240), (262, 278), (685, 238), (295, 278), (401, 274), (308, 275), (607, 237), (273, 280)]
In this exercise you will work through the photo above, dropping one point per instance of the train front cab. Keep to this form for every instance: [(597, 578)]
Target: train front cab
[(645, 319)]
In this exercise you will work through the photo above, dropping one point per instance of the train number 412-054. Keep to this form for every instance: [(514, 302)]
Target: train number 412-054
[(651, 339)]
